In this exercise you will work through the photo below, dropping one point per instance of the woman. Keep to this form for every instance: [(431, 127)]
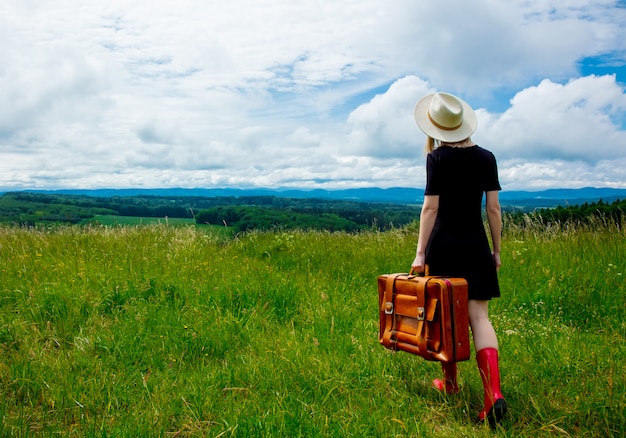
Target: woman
[(452, 238)]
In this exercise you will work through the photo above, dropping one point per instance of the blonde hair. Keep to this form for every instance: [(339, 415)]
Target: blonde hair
[(431, 144)]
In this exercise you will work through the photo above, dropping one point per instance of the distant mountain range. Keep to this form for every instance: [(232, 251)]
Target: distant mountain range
[(396, 195)]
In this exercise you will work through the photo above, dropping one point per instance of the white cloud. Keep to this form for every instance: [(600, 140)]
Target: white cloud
[(544, 174), (384, 126), (307, 93), (579, 120)]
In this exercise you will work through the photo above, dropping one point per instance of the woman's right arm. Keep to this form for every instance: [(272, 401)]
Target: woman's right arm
[(427, 222)]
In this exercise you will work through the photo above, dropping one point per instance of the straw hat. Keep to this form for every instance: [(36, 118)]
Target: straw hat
[(445, 117)]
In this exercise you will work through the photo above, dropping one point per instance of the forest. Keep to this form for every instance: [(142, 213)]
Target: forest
[(244, 213)]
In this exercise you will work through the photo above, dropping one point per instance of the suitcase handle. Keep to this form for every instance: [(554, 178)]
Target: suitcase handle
[(418, 274)]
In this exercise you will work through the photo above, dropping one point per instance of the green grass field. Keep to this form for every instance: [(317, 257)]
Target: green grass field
[(161, 330), (134, 220)]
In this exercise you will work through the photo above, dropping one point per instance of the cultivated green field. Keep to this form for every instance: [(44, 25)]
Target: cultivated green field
[(161, 330), (134, 220)]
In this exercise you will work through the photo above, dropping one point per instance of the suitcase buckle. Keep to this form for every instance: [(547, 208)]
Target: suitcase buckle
[(388, 308), (420, 314)]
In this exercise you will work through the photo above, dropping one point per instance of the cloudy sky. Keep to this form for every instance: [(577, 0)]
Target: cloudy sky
[(306, 93)]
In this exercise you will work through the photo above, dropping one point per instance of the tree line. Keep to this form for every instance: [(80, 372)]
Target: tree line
[(240, 213), (259, 212), (609, 212)]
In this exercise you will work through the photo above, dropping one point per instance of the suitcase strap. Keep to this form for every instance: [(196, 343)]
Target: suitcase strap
[(389, 310), (388, 303), (421, 316)]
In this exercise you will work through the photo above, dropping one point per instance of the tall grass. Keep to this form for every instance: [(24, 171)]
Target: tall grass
[(176, 331)]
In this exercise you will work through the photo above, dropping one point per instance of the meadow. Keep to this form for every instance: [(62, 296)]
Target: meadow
[(176, 331), (114, 220)]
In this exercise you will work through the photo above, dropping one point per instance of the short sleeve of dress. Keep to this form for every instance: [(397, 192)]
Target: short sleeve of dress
[(492, 181)]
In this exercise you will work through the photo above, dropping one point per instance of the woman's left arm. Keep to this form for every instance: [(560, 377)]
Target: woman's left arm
[(494, 217)]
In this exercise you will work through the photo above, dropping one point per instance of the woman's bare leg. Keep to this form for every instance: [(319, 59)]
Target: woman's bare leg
[(482, 330)]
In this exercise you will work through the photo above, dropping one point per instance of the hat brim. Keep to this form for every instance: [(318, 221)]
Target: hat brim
[(467, 128)]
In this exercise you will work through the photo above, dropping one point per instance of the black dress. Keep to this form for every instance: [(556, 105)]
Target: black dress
[(458, 245)]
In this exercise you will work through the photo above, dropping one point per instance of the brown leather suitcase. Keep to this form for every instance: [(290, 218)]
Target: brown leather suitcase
[(424, 315)]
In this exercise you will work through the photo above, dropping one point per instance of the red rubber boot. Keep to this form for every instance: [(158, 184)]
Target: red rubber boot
[(495, 405), (449, 384)]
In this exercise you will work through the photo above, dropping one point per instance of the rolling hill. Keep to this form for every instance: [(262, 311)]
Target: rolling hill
[(396, 195)]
